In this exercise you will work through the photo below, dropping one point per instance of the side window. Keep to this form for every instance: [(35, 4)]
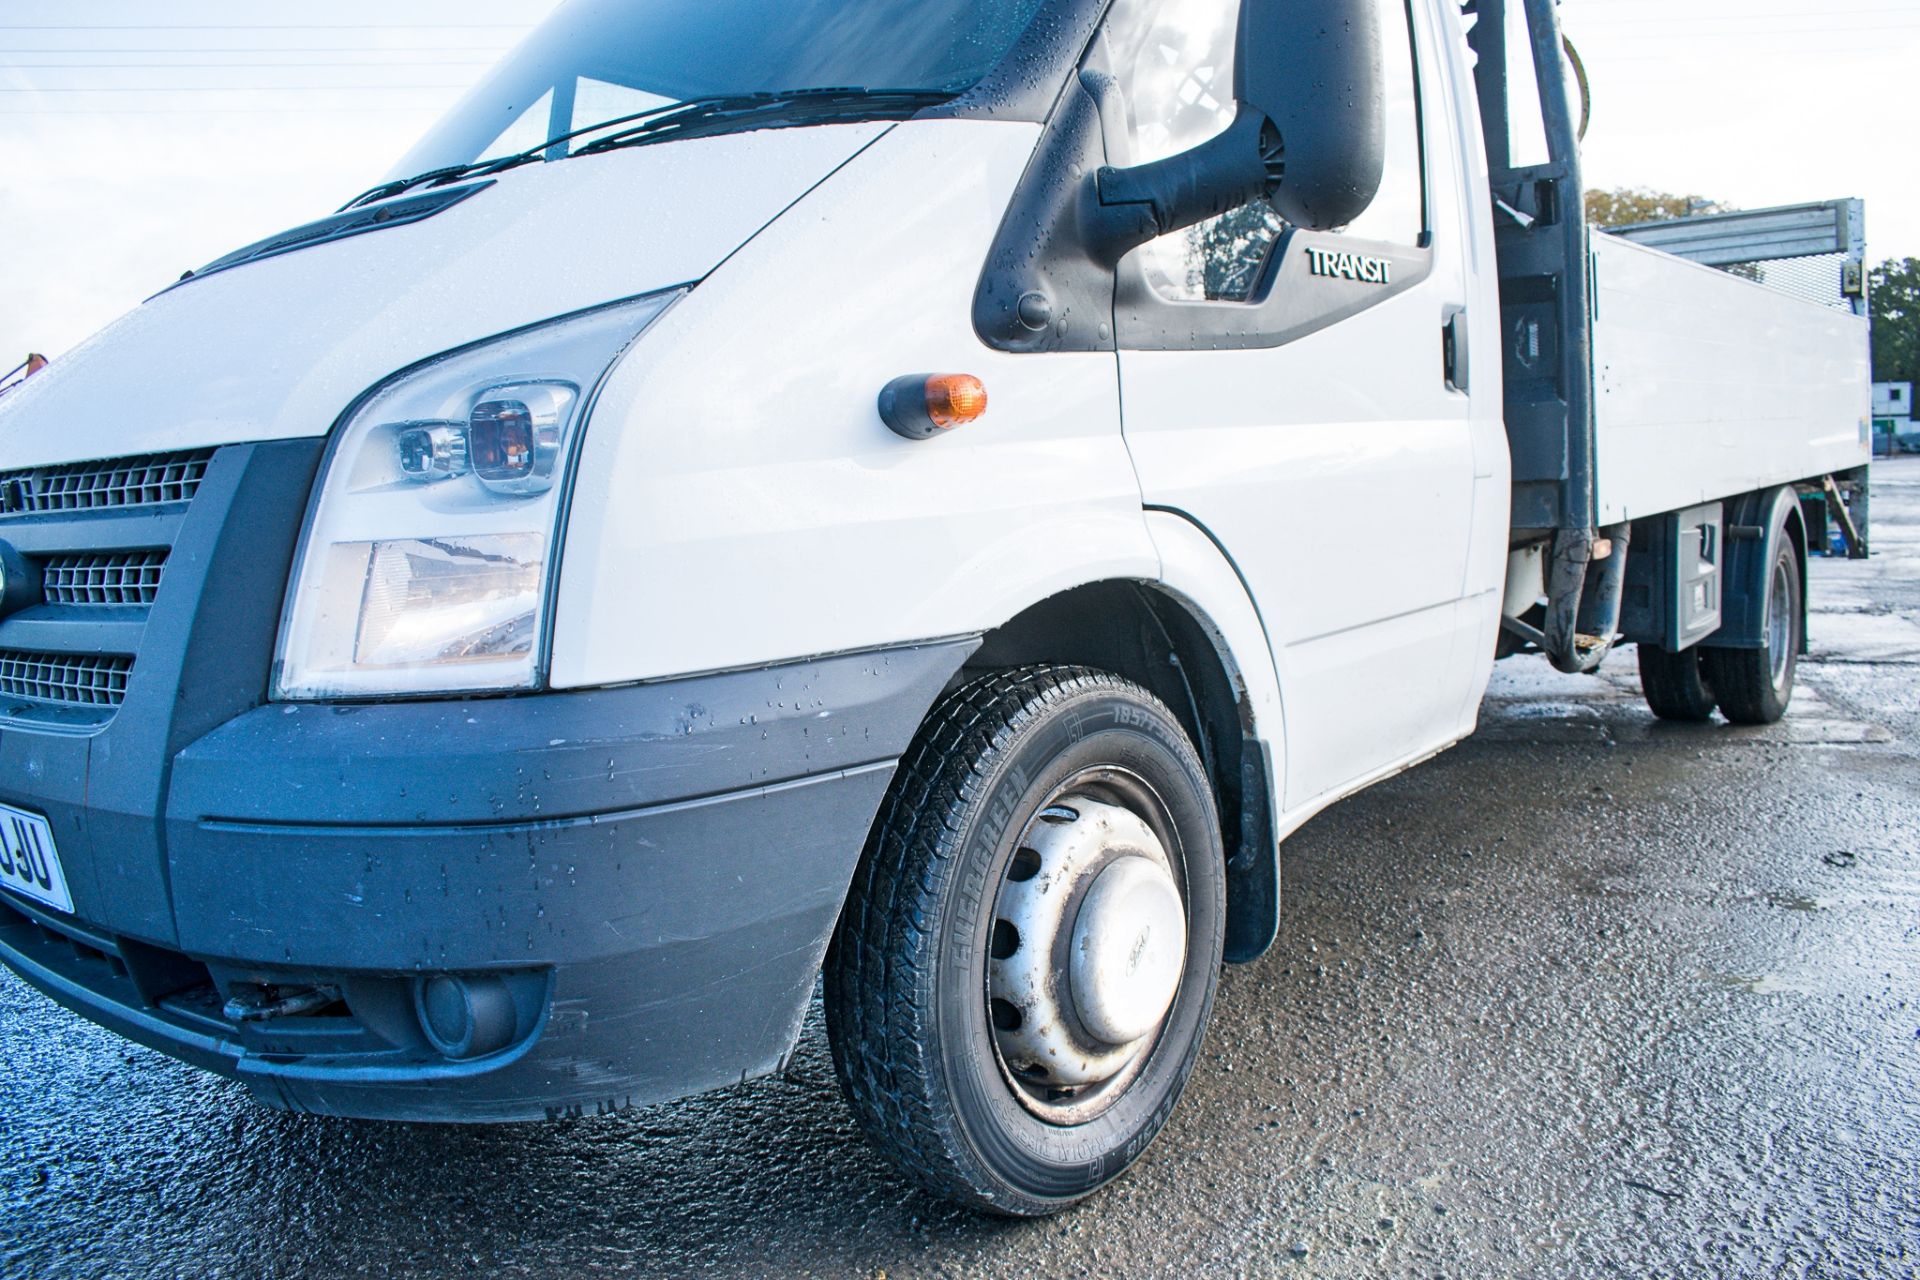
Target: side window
[(1174, 60)]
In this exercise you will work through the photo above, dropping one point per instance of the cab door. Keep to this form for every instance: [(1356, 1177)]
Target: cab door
[(1290, 393)]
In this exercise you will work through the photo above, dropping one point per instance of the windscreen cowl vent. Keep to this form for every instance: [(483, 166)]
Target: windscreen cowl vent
[(352, 222)]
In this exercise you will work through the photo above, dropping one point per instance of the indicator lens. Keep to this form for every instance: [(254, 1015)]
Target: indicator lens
[(955, 399), (501, 436), (514, 435)]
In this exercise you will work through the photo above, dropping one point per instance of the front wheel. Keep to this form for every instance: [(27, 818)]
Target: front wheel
[(1027, 960), (1755, 685)]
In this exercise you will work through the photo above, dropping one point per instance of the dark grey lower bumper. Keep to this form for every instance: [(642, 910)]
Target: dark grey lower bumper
[(655, 871)]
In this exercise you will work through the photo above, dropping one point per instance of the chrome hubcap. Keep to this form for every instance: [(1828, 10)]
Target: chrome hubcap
[(1087, 952), (1129, 944)]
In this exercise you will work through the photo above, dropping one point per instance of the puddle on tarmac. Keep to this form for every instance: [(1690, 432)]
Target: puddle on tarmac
[(1766, 984), (1551, 710)]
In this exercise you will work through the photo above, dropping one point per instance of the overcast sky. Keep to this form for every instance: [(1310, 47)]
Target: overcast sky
[(142, 137)]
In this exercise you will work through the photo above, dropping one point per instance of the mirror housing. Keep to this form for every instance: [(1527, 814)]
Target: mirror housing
[(1313, 67), (1309, 132)]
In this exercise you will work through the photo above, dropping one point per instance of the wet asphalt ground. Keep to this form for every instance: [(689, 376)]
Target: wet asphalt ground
[(1586, 996)]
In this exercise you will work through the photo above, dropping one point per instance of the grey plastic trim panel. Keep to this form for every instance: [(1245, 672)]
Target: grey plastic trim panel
[(1043, 248), (544, 757), (141, 1025), (282, 830), (1042, 254), (54, 533), (1290, 303), (675, 854), (42, 629), (102, 784), (1253, 875)]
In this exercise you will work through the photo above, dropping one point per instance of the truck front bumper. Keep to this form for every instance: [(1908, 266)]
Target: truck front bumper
[(625, 894)]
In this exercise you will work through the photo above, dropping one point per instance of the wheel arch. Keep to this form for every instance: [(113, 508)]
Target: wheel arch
[(1162, 638), (1755, 523)]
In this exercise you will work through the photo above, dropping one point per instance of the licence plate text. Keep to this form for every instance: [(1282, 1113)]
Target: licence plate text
[(29, 865)]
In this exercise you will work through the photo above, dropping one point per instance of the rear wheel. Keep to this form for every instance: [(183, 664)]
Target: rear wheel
[(1675, 684), (1027, 960), (1755, 685)]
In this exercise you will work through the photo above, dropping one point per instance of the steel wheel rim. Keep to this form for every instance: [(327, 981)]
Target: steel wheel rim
[(1780, 626), (1075, 1096)]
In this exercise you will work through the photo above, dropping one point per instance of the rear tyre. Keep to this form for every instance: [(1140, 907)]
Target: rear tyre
[(1675, 684), (1027, 960), (1755, 685)]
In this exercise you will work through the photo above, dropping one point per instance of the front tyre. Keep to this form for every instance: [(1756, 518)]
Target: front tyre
[(1028, 956)]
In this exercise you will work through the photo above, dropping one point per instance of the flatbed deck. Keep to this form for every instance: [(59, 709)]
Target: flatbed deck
[(1708, 385)]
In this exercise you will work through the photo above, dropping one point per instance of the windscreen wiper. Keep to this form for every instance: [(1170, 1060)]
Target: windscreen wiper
[(694, 117), (499, 164), (703, 117), (432, 177)]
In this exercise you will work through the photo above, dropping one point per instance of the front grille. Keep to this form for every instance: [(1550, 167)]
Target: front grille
[(97, 536), (145, 481), (79, 680), (128, 577)]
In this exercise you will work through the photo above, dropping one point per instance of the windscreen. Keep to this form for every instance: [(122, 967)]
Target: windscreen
[(601, 60)]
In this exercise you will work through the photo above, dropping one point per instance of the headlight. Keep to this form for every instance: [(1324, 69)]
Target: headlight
[(429, 553)]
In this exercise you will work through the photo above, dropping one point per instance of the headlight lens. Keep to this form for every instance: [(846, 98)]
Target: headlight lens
[(429, 554)]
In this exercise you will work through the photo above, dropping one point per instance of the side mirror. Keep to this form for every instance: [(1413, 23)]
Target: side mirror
[(1313, 67), (1309, 132)]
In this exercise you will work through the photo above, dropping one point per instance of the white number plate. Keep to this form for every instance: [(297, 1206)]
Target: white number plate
[(28, 863)]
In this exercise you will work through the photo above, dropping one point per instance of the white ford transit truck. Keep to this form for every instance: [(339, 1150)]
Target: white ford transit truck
[(925, 492)]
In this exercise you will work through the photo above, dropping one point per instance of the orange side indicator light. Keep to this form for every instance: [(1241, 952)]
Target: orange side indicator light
[(922, 406), (955, 399)]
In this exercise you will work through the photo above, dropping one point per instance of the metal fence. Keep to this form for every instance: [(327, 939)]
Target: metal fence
[(1819, 277)]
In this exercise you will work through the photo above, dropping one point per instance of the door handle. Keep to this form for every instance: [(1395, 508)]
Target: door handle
[(1453, 344)]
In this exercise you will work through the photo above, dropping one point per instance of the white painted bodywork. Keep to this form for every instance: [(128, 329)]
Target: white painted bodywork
[(1363, 500), (1194, 571), (1708, 385), (1332, 513), (277, 349), (748, 503)]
